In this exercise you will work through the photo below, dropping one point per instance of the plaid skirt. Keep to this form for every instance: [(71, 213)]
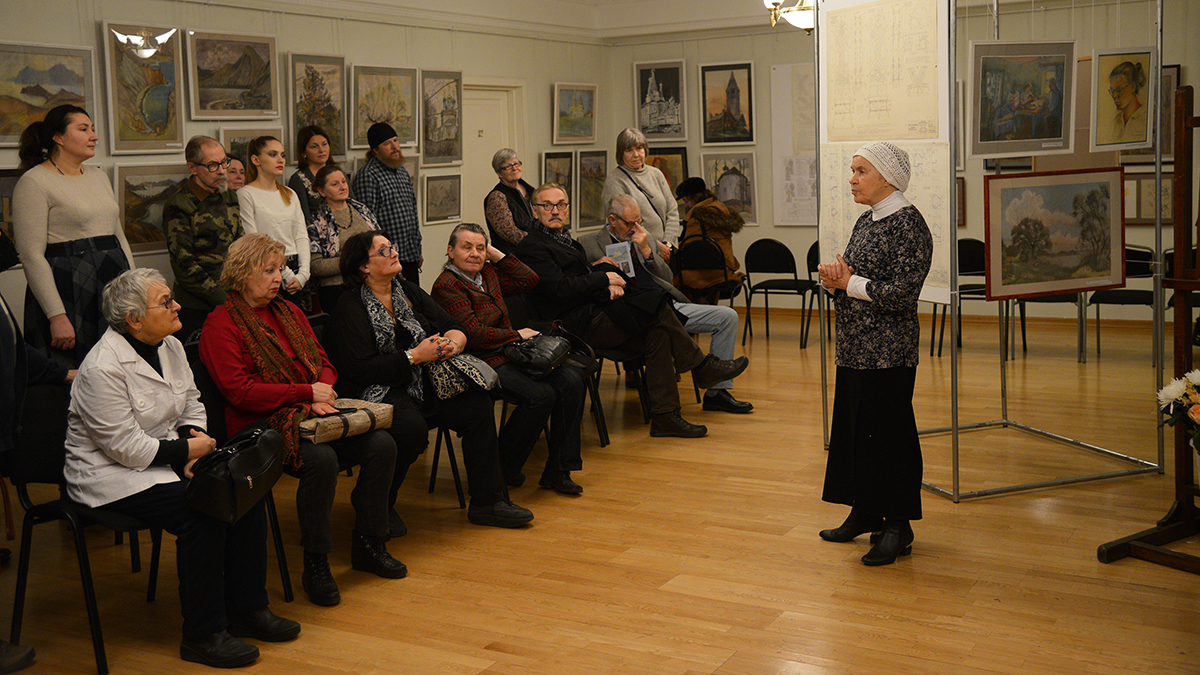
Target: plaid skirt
[(81, 269)]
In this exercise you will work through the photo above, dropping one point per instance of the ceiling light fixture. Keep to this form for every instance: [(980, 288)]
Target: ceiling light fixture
[(801, 15)]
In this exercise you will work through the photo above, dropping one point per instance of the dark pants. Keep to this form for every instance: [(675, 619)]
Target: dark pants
[(411, 269), (874, 460), (667, 349), (472, 415), (222, 568), (557, 397), (375, 455)]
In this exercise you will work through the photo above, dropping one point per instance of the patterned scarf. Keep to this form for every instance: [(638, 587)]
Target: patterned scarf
[(385, 336), (561, 236), (274, 364)]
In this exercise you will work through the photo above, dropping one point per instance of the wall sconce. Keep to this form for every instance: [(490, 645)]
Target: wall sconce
[(801, 15)]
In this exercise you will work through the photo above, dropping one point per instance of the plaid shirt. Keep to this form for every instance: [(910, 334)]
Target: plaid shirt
[(389, 194)]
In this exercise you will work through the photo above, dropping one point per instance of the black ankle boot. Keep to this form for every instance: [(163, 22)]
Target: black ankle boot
[(855, 524), (318, 580), (895, 540), (370, 554)]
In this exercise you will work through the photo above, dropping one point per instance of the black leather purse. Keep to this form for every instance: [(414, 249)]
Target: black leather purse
[(229, 481), (538, 355)]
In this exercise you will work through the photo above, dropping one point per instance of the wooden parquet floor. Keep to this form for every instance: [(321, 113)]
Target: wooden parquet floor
[(686, 557)]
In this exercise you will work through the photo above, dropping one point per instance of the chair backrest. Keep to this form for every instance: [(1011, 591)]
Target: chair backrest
[(971, 257), (214, 402), (318, 321), (40, 450), (813, 258), (772, 256), (1139, 262), (699, 252)]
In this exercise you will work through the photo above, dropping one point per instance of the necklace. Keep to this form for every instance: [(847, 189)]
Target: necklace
[(60, 170)]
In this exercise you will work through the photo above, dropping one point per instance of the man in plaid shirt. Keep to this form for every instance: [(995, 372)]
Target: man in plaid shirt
[(384, 185)]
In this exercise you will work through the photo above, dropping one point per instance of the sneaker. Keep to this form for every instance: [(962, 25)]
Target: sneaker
[(501, 514)]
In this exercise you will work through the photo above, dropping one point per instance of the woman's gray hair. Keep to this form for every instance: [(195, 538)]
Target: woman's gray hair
[(128, 296), (501, 158), (628, 139), (466, 227)]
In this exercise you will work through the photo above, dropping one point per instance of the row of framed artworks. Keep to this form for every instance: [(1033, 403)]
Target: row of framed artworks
[(726, 101)]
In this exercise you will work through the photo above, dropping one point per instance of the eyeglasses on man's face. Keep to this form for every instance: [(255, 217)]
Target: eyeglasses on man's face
[(556, 206), (217, 166)]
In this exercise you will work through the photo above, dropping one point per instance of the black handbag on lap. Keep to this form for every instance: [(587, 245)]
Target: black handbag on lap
[(538, 355), (229, 481)]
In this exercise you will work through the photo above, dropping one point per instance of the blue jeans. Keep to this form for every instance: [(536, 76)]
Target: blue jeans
[(721, 321), (557, 397)]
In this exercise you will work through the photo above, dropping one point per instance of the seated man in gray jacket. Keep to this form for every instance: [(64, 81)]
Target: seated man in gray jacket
[(625, 225)]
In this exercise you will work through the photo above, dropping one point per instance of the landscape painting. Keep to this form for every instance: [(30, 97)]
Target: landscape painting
[(318, 97), (141, 191), (8, 183), (660, 107), (574, 113), (36, 78), (145, 73), (593, 171), (236, 140), (1054, 232), (443, 199), (383, 94), (727, 100), (441, 121), (672, 162), (559, 167), (232, 76), (730, 176), (1021, 98)]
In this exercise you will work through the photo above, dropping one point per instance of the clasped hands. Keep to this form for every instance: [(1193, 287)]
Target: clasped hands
[(835, 275)]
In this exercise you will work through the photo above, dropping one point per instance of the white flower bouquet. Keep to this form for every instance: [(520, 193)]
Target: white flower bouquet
[(1179, 402)]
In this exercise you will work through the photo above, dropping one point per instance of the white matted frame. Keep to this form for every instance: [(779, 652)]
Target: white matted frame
[(574, 113), (317, 86), (60, 74), (232, 77), (441, 118), (1114, 72), (660, 99), (144, 116), (384, 94), (727, 103), (1022, 97), (731, 177), (443, 199), (141, 191)]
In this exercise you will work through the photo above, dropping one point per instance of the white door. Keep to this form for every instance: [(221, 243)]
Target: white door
[(487, 127)]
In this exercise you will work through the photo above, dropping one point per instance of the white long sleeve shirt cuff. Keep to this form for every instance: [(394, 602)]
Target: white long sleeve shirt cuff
[(857, 287)]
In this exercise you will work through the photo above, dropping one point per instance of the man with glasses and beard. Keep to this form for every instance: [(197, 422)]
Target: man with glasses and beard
[(201, 220)]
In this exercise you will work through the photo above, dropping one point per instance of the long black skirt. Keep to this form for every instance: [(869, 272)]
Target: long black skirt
[(874, 452)]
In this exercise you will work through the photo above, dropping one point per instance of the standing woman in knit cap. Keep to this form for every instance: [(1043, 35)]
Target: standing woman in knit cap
[(68, 232), (874, 464)]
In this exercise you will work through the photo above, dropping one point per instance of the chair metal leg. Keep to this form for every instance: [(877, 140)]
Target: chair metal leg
[(1097, 331), (280, 555), (155, 554), (437, 449), (767, 315), (643, 394), (597, 411), (135, 552), (748, 329), (14, 634)]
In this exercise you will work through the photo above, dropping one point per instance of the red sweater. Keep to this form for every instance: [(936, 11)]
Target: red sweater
[(224, 352)]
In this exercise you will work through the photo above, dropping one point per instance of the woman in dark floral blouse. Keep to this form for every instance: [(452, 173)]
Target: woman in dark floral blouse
[(874, 464)]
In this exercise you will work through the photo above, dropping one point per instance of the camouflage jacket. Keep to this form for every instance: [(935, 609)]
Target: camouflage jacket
[(199, 232)]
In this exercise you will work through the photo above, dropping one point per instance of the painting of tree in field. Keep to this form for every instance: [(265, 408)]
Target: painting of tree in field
[(1058, 232), (382, 94), (318, 89)]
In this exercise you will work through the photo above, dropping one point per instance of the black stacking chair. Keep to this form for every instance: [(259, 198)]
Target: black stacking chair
[(702, 253), (1139, 264), (771, 256)]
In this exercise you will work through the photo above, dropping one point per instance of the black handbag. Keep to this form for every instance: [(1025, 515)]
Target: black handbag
[(538, 355), (229, 481)]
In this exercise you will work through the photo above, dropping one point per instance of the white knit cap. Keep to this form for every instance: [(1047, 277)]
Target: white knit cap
[(891, 162)]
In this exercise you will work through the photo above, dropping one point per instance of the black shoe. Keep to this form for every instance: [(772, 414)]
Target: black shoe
[(396, 526), (671, 424), (370, 554), (501, 514), (263, 625), (855, 524), (561, 483), (318, 580), (895, 540), (515, 480), (723, 401), (219, 650), (713, 370), (15, 657)]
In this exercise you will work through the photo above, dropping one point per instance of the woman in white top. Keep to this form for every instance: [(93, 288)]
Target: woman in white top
[(274, 210), (648, 187), (68, 231)]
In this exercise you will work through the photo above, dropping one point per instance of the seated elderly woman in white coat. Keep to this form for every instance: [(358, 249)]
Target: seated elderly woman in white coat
[(135, 426)]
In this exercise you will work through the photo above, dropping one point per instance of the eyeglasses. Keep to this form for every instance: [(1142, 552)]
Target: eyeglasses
[(639, 221), (510, 167), (560, 206), (385, 251), (166, 304), (214, 166), (1114, 92)]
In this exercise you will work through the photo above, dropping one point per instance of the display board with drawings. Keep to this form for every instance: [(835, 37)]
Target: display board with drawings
[(793, 151)]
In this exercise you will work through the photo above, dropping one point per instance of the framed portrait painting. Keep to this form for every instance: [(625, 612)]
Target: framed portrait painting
[(727, 103), (441, 118), (36, 78), (232, 77), (660, 105), (558, 166), (1123, 98), (1054, 232), (144, 65), (443, 199), (574, 113), (730, 176), (1166, 98), (318, 86), (672, 162), (236, 140), (1021, 98), (383, 94), (141, 191), (593, 172)]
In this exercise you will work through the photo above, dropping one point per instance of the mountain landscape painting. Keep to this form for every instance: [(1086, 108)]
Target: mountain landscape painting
[(233, 76), (142, 191), (35, 78)]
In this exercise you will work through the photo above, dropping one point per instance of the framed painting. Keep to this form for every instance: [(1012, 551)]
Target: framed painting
[(558, 166), (1009, 164), (232, 77), (672, 162), (727, 101), (383, 94), (1166, 89), (142, 190), (1021, 98), (1123, 98), (960, 147), (36, 78), (593, 171), (144, 66), (318, 85), (960, 185), (8, 183), (236, 140), (730, 176), (1054, 232), (574, 113), (660, 105), (441, 118), (1140, 187), (443, 199)]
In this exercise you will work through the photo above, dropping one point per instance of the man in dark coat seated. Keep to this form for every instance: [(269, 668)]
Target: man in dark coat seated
[(611, 311)]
